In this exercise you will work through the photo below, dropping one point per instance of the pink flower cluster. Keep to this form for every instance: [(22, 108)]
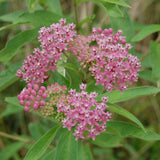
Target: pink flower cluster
[(54, 41), (106, 55), (33, 97), (85, 113), (103, 54)]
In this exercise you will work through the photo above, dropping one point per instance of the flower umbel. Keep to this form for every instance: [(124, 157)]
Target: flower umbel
[(84, 113), (106, 55), (54, 41)]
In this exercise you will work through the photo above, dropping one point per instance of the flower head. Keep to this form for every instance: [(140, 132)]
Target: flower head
[(83, 112), (107, 57), (54, 41)]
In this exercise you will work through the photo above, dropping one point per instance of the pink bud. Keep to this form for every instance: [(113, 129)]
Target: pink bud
[(40, 92), (35, 106), (29, 85), (31, 97), (110, 30), (38, 97), (42, 103), (22, 102), (123, 41), (26, 97), (106, 31), (28, 103), (99, 30), (43, 88), (36, 87), (27, 91), (44, 95), (33, 92), (26, 108), (20, 97)]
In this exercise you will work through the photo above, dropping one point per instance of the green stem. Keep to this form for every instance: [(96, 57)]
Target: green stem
[(69, 59), (76, 15), (20, 139)]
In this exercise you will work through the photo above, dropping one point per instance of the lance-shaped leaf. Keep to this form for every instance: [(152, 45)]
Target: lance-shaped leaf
[(155, 60), (38, 149), (9, 151), (146, 31), (124, 113), (8, 76), (67, 148), (125, 129), (116, 96), (16, 42)]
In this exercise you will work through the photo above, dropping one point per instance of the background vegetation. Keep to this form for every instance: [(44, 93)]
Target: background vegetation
[(140, 21)]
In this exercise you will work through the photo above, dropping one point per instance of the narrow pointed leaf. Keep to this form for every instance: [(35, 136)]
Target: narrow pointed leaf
[(125, 113), (146, 31), (84, 152), (118, 2), (15, 43), (125, 129), (42, 144), (155, 60), (116, 96), (8, 76), (67, 147), (9, 151), (107, 140)]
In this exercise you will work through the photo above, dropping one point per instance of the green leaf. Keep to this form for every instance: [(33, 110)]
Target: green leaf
[(146, 31), (118, 2), (112, 9), (54, 6), (57, 77), (87, 19), (138, 26), (107, 140), (147, 75), (42, 144), (8, 76), (84, 152), (67, 147), (50, 155), (15, 43), (11, 109), (73, 75), (31, 5), (13, 101), (9, 151), (11, 17), (91, 87), (37, 18), (36, 130), (155, 60), (117, 96), (125, 129), (124, 113)]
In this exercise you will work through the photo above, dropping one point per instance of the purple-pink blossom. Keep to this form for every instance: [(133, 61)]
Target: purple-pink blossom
[(107, 56), (83, 112), (54, 41)]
